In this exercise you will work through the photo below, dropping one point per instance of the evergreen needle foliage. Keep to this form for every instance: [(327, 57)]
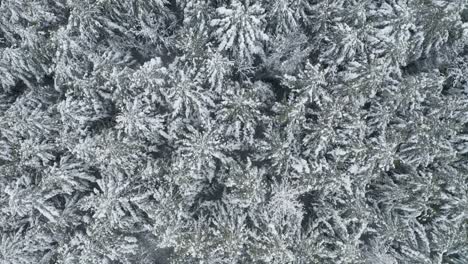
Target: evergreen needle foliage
[(234, 131)]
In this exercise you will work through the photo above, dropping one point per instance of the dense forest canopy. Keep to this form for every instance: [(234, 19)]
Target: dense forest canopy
[(233, 131)]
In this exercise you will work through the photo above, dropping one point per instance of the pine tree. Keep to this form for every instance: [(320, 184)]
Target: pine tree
[(239, 30)]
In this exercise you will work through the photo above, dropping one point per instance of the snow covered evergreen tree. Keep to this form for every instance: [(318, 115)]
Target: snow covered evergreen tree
[(234, 131)]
